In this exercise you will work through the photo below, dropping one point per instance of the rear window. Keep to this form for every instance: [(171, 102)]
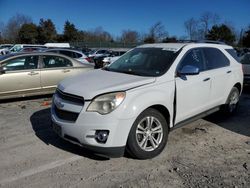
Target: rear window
[(233, 53)]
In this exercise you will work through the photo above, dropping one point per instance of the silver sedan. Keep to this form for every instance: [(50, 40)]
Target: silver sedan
[(31, 74)]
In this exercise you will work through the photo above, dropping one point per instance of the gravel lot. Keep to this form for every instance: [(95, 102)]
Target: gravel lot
[(211, 152)]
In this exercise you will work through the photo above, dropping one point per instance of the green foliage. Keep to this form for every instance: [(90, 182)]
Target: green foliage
[(46, 31), (70, 33), (246, 38), (221, 33), (28, 33), (169, 39), (149, 39)]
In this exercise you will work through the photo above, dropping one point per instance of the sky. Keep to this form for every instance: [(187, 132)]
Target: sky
[(115, 15)]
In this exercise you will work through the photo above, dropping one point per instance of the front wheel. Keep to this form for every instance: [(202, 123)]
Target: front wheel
[(148, 135)]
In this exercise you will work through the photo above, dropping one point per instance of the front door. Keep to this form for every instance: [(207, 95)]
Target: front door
[(192, 91), (20, 76)]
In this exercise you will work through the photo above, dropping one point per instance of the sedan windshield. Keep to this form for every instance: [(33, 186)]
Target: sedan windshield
[(144, 62)]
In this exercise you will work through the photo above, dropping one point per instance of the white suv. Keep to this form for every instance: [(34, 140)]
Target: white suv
[(133, 103)]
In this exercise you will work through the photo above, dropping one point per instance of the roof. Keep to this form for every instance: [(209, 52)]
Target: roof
[(177, 46), (170, 46)]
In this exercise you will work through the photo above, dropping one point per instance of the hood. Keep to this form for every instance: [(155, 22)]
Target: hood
[(96, 82)]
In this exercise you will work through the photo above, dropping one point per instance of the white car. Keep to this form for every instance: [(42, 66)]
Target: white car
[(134, 103)]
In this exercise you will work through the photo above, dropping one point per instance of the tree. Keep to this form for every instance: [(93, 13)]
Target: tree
[(191, 27), (246, 38), (47, 31), (157, 32), (28, 33), (10, 31), (170, 39), (129, 36), (206, 20), (221, 33), (70, 33)]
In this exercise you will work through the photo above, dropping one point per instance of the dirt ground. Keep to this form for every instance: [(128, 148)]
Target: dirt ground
[(211, 152)]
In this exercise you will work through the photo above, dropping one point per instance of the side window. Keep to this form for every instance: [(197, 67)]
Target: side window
[(21, 63), (77, 55), (215, 58), (55, 61), (245, 59), (193, 57), (67, 53)]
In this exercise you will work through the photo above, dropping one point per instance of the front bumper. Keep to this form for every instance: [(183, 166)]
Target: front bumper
[(82, 131)]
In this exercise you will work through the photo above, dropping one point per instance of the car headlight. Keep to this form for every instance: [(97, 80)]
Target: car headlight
[(106, 103)]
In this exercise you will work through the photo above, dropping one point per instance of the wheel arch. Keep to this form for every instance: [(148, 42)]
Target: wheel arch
[(164, 111)]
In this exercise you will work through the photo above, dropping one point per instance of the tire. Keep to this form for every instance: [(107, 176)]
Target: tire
[(148, 135), (232, 102)]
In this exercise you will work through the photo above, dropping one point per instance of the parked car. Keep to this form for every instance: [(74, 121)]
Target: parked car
[(33, 49), (134, 102), (4, 48), (98, 52), (245, 60), (79, 56), (107, 58), (28, 74)]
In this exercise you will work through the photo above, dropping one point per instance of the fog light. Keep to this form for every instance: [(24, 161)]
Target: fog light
[(101, 136)]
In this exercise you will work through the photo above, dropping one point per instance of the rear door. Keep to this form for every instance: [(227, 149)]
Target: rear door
[(21, 76), (54, 69), (218, 66)]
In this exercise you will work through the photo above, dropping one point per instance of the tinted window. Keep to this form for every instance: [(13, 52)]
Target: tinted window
[(233, 53), (54, 61), (21, 63), (67, 53), (215, 58), (144, 62), (193, 57), (245, 59), (77, 55)]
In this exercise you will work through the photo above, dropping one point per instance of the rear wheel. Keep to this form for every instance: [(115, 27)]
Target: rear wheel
[(232, 102), (148, 135)]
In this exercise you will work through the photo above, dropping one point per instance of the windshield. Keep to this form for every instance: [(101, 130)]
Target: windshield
[(144, 62)]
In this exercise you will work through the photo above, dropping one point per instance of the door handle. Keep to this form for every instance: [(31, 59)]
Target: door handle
[(66, 71), (229, 71), (206, 79), (33, 73)]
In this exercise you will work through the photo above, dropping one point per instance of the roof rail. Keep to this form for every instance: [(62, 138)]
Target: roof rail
[(201, 41), (211, 41)]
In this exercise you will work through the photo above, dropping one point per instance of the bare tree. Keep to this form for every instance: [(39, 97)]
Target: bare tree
[(10, 31), (191, 26), (157, 32), (208, 19), (129, 36)]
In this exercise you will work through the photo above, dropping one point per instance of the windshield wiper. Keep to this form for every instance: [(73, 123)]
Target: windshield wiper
[(129, 72)]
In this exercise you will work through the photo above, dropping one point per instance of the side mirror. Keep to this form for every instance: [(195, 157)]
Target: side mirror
[(189, 70)]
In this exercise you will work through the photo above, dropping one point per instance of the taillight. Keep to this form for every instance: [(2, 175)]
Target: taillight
[(89, 59)]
